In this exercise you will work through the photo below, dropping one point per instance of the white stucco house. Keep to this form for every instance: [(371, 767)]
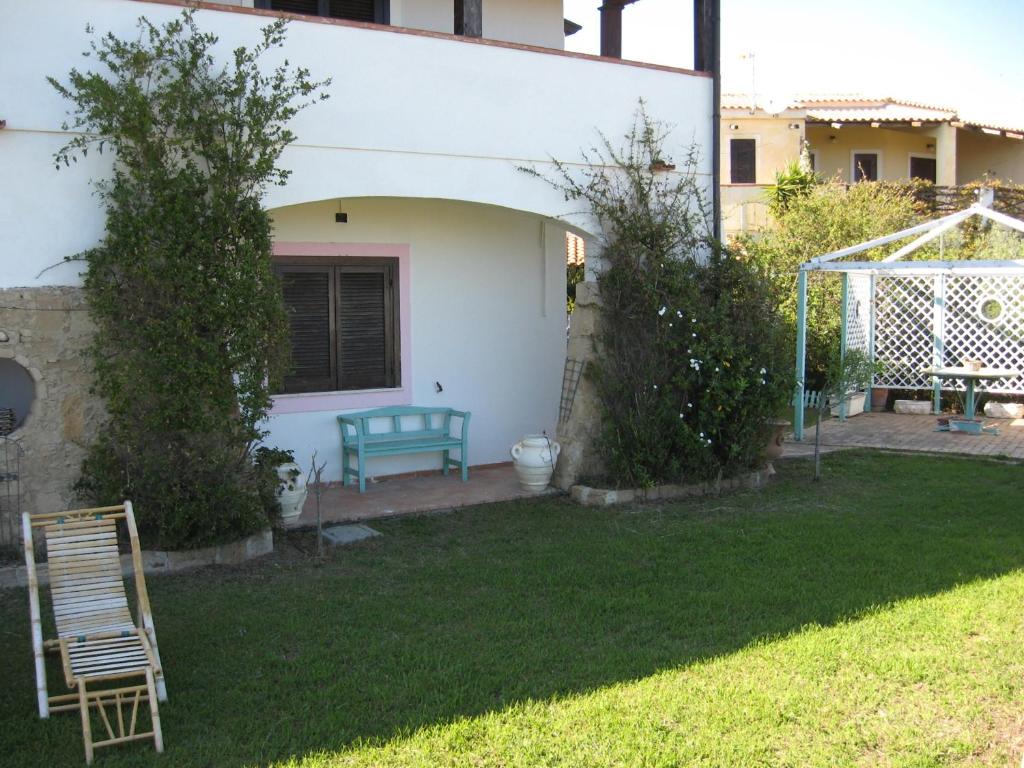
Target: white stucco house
[(417, 147)]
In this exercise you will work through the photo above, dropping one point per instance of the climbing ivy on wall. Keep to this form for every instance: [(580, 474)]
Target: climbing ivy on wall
[(190, 326)]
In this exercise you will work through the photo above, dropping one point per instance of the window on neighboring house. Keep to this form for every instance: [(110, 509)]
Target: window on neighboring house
[(922, 168), (377, 11), (344, 325), (865, 166), (742, 161)]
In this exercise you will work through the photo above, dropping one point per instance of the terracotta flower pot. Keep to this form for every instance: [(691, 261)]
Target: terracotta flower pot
[(879, 398)]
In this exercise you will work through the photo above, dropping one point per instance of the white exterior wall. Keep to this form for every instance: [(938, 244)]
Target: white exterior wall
[(487, 300), (410, 116)]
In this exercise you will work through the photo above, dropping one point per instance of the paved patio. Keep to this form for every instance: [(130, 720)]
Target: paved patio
[(404, 495), (904, 432)]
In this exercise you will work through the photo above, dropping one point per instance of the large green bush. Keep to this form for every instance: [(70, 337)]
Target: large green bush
[(826, 218), (692, 361), (190, 323)]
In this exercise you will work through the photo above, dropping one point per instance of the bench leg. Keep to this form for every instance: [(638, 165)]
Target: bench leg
[(345, 482), (444, 463), (465, 466), (362, 473)]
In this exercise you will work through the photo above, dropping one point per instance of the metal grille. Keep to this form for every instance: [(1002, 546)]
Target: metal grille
[(858, 312), (968, 335), (570, 383), (908, 319), (10, 493), (903, 330)]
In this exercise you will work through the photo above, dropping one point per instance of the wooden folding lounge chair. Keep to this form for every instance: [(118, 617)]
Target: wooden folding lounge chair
[(109, 659)]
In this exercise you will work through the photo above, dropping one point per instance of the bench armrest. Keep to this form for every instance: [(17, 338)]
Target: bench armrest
[(356, 423), (464, 415)]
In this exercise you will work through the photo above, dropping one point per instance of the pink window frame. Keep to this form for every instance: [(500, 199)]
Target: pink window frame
[(304, 402)]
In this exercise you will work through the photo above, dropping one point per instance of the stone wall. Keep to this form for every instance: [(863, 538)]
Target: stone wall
[(47, 331), (578, 433)]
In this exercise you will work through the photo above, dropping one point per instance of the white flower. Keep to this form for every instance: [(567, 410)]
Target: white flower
[(763, 371), (679, 314), (670, 325), (655, 386), (661, 311), (689, 405), (680, 415), (702, 434), (716, 369), (695, 335)]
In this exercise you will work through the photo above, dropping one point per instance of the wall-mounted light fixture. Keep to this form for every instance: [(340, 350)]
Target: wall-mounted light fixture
[(832, 138), (930, 147), (794, 126), (734, 126), (341, 218)]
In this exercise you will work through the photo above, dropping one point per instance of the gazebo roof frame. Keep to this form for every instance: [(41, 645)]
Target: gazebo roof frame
[(928, 231)]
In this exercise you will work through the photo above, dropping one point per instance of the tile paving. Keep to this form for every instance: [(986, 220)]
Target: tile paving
[(904, 432), (405, 495)]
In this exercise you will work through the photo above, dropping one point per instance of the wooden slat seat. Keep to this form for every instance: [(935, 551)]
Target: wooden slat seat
[(85, 578), (107, 657), (400, 430), (99, 640)]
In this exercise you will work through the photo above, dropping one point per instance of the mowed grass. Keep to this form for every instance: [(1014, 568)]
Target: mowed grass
[(871, 619)]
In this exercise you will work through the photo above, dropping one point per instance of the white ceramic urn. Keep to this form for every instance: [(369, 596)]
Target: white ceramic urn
[(534, 458), (291, 492)]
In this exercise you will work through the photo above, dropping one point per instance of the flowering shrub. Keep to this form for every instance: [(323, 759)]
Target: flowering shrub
[(692, 361)]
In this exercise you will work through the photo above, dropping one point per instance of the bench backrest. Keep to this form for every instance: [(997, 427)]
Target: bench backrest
[(406, 420)]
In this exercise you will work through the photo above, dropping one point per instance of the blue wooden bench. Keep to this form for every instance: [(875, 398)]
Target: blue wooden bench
[(398, 430)]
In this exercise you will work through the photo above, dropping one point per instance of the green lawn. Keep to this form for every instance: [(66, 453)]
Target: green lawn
[(872, 619)]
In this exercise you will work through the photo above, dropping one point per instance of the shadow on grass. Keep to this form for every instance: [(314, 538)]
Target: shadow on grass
[(453, 616)]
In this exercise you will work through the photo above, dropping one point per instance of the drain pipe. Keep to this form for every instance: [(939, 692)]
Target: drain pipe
[(707, 58)]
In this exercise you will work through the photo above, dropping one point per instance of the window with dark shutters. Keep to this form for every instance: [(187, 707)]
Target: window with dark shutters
[(343, 322), (865, 166), (377, 11), (742, 161)]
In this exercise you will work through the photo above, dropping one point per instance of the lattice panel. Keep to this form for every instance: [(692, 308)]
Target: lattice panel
[(903, 330), (858, 312), (982, 319), (995, 340)]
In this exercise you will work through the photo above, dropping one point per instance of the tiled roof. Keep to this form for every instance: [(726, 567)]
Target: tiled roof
[(853, 108)]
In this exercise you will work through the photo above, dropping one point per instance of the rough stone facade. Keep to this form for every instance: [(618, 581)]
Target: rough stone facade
[(47, 331), (578, 433)]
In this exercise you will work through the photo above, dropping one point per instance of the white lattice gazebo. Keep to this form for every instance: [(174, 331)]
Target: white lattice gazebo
[(912, 314)]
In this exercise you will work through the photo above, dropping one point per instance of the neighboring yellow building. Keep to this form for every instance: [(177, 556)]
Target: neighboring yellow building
[(854, 138)]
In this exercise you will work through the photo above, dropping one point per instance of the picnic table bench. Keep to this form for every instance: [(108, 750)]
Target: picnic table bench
[(400, 430)]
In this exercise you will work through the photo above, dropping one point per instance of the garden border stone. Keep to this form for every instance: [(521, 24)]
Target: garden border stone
[(157, 561), (605, 497)]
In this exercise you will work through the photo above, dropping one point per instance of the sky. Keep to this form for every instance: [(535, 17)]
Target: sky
[(964, 54)]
